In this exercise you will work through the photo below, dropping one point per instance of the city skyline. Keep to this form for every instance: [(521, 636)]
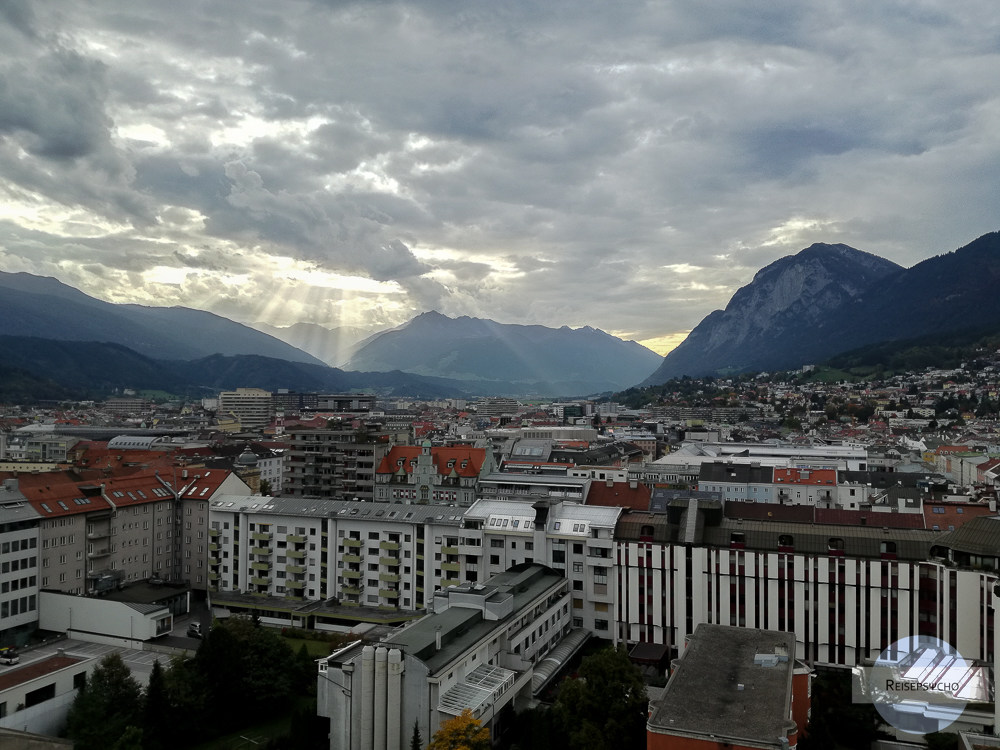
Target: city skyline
[(624, 167)]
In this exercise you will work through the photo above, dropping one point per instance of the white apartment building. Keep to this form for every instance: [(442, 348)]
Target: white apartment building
[(476, 651), (19, 569)]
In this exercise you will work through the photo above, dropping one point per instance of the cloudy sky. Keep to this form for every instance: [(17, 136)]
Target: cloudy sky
[(622, 165)]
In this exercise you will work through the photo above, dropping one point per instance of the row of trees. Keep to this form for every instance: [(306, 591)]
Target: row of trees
[(241, 674)]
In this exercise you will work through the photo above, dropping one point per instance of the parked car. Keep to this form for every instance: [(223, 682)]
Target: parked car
[(194, 630), (8, 655)]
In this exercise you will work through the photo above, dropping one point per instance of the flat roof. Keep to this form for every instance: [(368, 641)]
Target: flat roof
[(462, 626), (19, 675), (719, 689)]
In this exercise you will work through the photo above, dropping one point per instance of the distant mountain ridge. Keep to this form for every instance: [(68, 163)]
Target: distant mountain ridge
[(829, 299), (44, 307), (554, 360), (334, 346)]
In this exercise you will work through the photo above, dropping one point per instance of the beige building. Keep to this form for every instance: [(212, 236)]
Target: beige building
[(251, 407)]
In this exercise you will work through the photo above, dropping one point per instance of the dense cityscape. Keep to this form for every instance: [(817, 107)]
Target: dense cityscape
[(844, 515)]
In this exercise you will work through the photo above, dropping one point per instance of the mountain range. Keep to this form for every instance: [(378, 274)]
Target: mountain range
[(801, 309), (43, 307), (542, 360), (828, 299), (58, 340)]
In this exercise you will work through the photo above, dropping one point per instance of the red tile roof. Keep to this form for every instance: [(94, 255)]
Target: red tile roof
[(466, 461), (619, 495), (805, 476), (63, 493)]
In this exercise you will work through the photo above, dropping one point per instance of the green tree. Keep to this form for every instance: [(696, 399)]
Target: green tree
[(158, 718), (464, 732), (108, 705), (606, 707), (416, 741)]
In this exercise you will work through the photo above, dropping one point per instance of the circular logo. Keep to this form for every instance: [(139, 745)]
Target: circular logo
[(921, 684)]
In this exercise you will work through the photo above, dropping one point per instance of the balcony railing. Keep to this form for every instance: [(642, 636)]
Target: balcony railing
[(390, 561), (353, 543), (389, 546)]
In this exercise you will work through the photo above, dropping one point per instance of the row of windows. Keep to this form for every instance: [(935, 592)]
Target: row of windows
[(18, 606), (18, 544), (10, 566)]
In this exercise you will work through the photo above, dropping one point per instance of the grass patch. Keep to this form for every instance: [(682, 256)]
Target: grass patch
[(316, 649)]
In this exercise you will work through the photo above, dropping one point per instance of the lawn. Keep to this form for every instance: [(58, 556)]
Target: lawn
[(316, 649)]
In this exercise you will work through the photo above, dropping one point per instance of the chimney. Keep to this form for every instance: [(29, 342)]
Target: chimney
[(437, 638)]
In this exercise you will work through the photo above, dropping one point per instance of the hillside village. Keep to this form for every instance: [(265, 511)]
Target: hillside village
[(849, 514)]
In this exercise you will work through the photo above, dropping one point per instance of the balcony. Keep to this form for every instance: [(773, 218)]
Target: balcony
[(98, 553), (213, 561), (260, 581), (452, 567), (389, 546), (392, 562), (355, 574), (298, 554), (295, 539), (214, 533), (265, 566), (352, 543), (96, 534), (213, 576), (213, 547), (388, 593), (352, 590), (351, 558), (449, 551), (389, 577), (260, 550), (262, 536), (295, 569), (297, 585)]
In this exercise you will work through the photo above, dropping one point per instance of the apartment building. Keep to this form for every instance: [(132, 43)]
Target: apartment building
[(383, 556), (846, 590), (338, 464), (253, 408), (476, 651), (19, 568), (96, 537)]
